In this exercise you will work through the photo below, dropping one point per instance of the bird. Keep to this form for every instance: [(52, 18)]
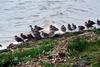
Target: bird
[(31, 27), (45, 35), (91, 22), (63, 28), (74, 26), (23, 36), (11, 45), (38, 28), (29, 37), (35, 32), (0, 45), (88, 25), (69, 27), (18, 39), (51, 34), (53, 28), (81, 28), (98, 22), (37, 35)]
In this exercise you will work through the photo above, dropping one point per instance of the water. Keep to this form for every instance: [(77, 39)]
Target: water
[(17, 15)]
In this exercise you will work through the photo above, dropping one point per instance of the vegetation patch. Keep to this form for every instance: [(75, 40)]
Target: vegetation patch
[(10, 59)]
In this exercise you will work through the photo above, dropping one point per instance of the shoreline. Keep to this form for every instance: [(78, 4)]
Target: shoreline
[(59, 32), (35, 52)]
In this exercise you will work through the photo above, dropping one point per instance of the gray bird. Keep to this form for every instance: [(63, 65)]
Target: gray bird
[(30, 37), (32, 29), (37, 35), (35, 32), (0, 45), (45, 35), (98, 22), (69, 27), (91, 22), (81, 28), (51, 34), (18, 39), (53, 28), (88, 25), (63, 28), (38, 28), (23, 36), (74, 26)]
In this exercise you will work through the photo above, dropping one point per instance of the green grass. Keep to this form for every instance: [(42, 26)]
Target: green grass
[(97, 31), (10, 59), (80, 48), (78, 45)]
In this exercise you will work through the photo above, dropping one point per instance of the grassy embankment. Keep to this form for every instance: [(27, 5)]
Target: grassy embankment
[(80, 47)]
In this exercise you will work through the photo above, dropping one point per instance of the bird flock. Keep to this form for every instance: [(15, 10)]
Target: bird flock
[(37, 32)]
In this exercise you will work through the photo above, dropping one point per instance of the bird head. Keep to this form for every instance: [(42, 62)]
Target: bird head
[(16, 36), (30, 25)]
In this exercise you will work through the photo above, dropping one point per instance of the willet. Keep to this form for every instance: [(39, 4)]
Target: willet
[(81, 28), (63, 28), (18, 39)]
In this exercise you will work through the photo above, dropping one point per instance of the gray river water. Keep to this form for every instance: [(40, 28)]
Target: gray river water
[(17, 15)]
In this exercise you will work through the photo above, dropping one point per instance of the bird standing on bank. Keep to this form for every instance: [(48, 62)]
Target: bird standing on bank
[(69, 27), (63, 28), (38, 28), (30, 37), (32, 29), (0, 45), (45, 35), (88, 25), (18, 39), (24, 37), (91, 22), (81, 28), (35, 32), (51, 34), (74, 26), (98, 22), (53, 28), (37, 35)]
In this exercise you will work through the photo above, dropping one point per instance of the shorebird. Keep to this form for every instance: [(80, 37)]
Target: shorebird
[(32, 29), (74, 26), (69, 27), (51, 34), (0, 45), (81, 28), (91, 22), (23, 36), (37, 35), (88, 25), (98, 22), (38, 28), (12, 47), (53, 28), (30, 37), (18, 39), (63, 28), (45, 35), (35, 32)]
